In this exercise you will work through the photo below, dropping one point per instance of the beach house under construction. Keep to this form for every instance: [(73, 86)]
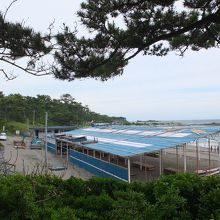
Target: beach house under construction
[(139, 152)]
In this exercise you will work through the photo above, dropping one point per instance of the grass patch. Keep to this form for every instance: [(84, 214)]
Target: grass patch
[(1, 146), (12, 126)]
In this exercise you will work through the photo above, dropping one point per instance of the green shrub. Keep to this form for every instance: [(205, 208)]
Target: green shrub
[(180, 196)]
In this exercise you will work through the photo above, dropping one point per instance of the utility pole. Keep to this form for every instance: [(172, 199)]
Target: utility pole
[(28, 124), (33, 117)]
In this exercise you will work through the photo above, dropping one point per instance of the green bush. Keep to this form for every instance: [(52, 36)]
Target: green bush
[(180, 196)]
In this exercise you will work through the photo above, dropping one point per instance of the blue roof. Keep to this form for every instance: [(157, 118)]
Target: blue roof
[(127, 141)]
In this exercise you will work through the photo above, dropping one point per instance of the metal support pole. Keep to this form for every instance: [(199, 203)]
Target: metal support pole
[(184, 158), (197, 154), (140, 162), (46, 118), (199, 157), (209, 143), (56, 142), (145, 170), (218, 150), (129, 170), (177, 159), (161, 162), (61, 150), (67, 153)]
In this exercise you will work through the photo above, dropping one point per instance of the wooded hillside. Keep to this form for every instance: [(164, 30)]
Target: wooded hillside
[(63, 111)]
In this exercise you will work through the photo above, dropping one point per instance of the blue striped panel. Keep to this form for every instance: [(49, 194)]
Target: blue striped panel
[(51, 147), (98, 167)]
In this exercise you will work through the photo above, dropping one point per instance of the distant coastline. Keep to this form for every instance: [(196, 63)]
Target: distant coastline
[(200, 122), (207, 122)]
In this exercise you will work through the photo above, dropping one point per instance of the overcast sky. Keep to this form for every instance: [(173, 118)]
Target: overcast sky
[(168, 88)]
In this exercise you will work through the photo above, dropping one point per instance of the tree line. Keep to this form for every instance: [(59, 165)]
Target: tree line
[(63, 111), (180, 196)]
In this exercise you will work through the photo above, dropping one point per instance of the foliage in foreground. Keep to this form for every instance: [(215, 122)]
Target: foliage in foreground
[(118, 31), (182, 196)]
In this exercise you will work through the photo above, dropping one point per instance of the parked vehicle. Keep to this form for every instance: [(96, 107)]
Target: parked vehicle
[(36, 143), (3, 136), (36, 140)]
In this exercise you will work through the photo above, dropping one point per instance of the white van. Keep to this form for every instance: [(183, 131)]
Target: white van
[(3, 136)]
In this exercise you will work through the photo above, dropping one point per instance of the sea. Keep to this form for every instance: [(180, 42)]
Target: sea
[(198, 122)]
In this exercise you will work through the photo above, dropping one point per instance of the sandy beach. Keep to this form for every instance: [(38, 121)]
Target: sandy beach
[(31, 161)]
